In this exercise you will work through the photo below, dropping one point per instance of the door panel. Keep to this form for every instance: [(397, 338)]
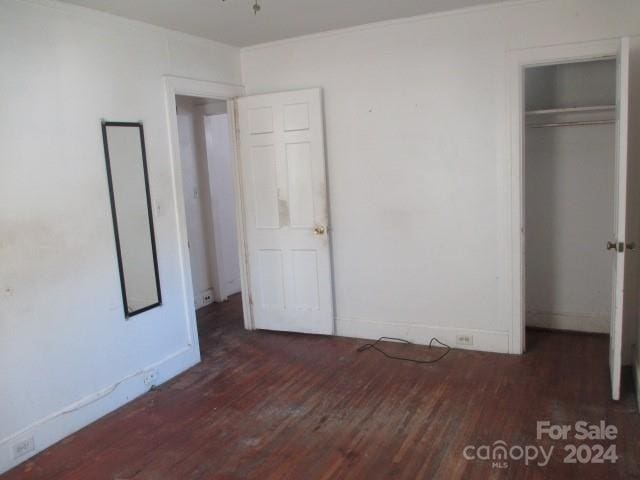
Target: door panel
[(630, 311), (301, 202), (264, 182), (282, 160), (624, 265)]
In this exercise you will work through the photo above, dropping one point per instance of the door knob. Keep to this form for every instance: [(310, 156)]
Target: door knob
[(612, 246), (319, 230), (631, 246)]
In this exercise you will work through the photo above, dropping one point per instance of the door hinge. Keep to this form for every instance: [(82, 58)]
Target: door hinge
[(618, 246)]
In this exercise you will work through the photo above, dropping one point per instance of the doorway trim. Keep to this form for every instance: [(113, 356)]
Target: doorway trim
[(215, 91), (517, 61)]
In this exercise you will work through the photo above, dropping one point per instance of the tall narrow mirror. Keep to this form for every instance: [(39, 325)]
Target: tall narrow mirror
[(132, 219)]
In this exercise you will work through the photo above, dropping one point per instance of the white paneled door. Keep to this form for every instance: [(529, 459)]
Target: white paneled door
[(624, 241), (282, 159)]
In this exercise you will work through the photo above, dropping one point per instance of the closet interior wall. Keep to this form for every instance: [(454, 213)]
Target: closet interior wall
[(569, 194)]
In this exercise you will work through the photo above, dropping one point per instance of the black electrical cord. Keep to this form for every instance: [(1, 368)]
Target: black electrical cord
[(374, 346)]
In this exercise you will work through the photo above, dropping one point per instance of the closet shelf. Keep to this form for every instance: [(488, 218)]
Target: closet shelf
[(593, 108), (571, 124)]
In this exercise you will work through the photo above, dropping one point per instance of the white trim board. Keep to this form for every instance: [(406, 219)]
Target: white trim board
[(73, 417), (483, 340)]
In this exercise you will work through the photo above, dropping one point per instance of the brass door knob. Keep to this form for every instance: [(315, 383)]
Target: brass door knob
[(631, 246), (319, 230), (611, 246)]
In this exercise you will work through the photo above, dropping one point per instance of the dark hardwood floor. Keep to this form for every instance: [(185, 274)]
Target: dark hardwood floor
[(274, 406)]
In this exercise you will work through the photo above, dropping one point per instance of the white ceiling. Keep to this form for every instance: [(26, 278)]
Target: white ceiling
[(234, 23)]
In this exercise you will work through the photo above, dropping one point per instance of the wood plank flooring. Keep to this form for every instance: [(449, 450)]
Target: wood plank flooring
[(286, 406)]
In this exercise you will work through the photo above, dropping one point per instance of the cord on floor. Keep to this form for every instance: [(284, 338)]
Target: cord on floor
[(374, 346)]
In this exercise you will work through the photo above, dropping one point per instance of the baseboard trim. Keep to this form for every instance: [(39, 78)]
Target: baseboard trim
[(483, 340), (58, 425), (577, 322)]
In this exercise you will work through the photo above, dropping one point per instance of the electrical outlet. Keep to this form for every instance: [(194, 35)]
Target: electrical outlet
[(207, 297), (464, 339), (21, 448), (151, 377)]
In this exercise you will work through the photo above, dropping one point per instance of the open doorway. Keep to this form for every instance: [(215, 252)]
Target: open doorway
[(580, 81), (569, 195), (206, 162), (281, 205)]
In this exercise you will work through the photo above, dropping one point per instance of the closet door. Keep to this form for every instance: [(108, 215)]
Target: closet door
[(624, 243)]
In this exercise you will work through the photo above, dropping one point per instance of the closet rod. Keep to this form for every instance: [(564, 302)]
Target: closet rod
[(572, 124)]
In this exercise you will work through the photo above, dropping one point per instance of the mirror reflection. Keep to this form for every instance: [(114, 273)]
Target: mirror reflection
[(132, 218)]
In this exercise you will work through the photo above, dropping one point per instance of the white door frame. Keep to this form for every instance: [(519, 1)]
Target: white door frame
[(215, 91), (518, 60)]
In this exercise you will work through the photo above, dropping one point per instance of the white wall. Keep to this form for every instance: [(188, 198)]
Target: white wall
[(68, 356), (418, 158), (220, 161)]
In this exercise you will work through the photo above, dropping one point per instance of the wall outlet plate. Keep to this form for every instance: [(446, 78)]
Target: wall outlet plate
[(464, 339), (207, 298), (151, 377), (23, 447)]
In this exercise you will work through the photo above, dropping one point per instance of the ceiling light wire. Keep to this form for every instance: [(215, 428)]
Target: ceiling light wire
[(256, 7)]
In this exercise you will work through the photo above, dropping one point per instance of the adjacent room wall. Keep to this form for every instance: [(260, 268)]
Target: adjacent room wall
[(221, 180), (207, 172), (418, 158), (68, 355), (195, 178)]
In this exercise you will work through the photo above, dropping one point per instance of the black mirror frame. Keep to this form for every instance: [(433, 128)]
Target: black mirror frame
[(105, 125)]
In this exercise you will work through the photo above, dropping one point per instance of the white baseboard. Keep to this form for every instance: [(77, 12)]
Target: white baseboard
[(58, 425), (483, 340), (232, 287), (578, 322)]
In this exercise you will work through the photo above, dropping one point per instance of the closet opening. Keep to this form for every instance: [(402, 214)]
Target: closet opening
[(569, 195), (207, 167)]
